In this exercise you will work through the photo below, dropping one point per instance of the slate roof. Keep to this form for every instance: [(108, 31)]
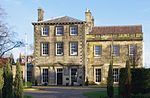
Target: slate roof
[(64, 19), (116, 29)]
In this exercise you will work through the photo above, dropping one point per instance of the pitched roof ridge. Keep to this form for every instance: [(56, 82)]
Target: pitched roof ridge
[(119, 26)]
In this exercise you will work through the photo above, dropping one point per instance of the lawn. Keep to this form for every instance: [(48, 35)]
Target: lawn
[(99, 94), (27, 96)]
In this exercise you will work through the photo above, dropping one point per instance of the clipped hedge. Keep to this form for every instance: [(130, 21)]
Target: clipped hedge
[(140, 81)]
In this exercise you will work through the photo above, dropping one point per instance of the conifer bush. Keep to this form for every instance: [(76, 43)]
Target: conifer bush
[(18, 83), (110, 89), (7, 90)]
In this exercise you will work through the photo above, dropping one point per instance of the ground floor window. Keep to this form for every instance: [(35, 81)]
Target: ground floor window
[(45, 75), (116, 74), (98, 75), (29, 76), (74, 75)]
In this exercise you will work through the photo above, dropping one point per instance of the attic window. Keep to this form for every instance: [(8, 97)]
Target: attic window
[(73, 30), (59, 30), (45, 31)]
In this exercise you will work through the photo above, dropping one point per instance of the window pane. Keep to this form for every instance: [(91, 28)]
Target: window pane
[(116, 50), (45, 48), (73, 30), (45, 31), (59, 30), (45, 75), (59, 48), (132, 50), (98, 50), (73, 75), (73, 48), (116, 75), (98, 75)]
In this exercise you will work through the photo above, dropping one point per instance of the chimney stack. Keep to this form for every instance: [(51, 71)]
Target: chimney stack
[(40, 14)]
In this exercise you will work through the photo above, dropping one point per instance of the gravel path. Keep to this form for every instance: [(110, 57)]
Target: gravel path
[(61, 92)]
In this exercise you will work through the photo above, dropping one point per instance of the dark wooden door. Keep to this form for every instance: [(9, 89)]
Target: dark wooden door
[(59, 78)]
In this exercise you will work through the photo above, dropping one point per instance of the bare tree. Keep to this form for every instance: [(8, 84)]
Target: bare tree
[(7, 41)]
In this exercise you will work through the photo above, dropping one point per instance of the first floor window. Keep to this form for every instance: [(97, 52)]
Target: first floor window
[(74, 48), (116, 50), (73, 30), (74, 75), (116, 74), (98, 75), (59, 30), (97, 50), (45, 49), (45, 75), (59, 48), (45, 31), (132, 50)]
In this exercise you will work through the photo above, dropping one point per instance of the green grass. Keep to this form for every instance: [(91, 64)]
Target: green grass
[(27, 96), (97, 94)]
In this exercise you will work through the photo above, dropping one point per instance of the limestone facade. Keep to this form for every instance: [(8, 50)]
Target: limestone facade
[(66, 69)]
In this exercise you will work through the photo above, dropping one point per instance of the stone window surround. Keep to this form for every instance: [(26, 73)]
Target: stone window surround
[(62, 32), (73, 33), (100, 51), (71, 49), (45, 31), (42, 68), (135, 49), (95, 74), (42, 53), (115, 52), (61, 49)]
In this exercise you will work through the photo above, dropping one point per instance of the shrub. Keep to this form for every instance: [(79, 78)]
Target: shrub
[(122, 80), (7, 90), (140, 81), (110, 89), (18, 83)]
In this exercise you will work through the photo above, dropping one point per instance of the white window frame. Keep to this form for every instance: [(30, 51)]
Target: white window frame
[(134, 46), (115, 75), (45, 31), (96, 76), (60, 48), (56, 30), (73, 30), (43, 75), (95, 51), (43, 48), (73, 48)]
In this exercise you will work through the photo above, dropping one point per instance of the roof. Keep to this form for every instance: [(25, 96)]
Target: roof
[(3, 61), (64, 19), (116, 29)]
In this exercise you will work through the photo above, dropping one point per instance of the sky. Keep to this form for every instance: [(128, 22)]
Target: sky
[(21, 13)]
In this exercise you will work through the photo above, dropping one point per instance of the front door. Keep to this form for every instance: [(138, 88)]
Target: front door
[(59, 76)]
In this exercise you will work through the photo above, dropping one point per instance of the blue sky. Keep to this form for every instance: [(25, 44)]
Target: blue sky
[(20, 14)]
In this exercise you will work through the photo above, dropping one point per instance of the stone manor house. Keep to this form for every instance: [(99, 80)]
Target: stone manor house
[(69, 51)]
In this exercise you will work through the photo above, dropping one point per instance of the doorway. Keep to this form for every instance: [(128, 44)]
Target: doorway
[(59, 76)]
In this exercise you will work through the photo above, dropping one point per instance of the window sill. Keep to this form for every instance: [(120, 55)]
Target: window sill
[(44, 55)]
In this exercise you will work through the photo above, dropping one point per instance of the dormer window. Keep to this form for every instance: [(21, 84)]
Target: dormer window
[(73, 30), (45, 31), (59, 30)]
